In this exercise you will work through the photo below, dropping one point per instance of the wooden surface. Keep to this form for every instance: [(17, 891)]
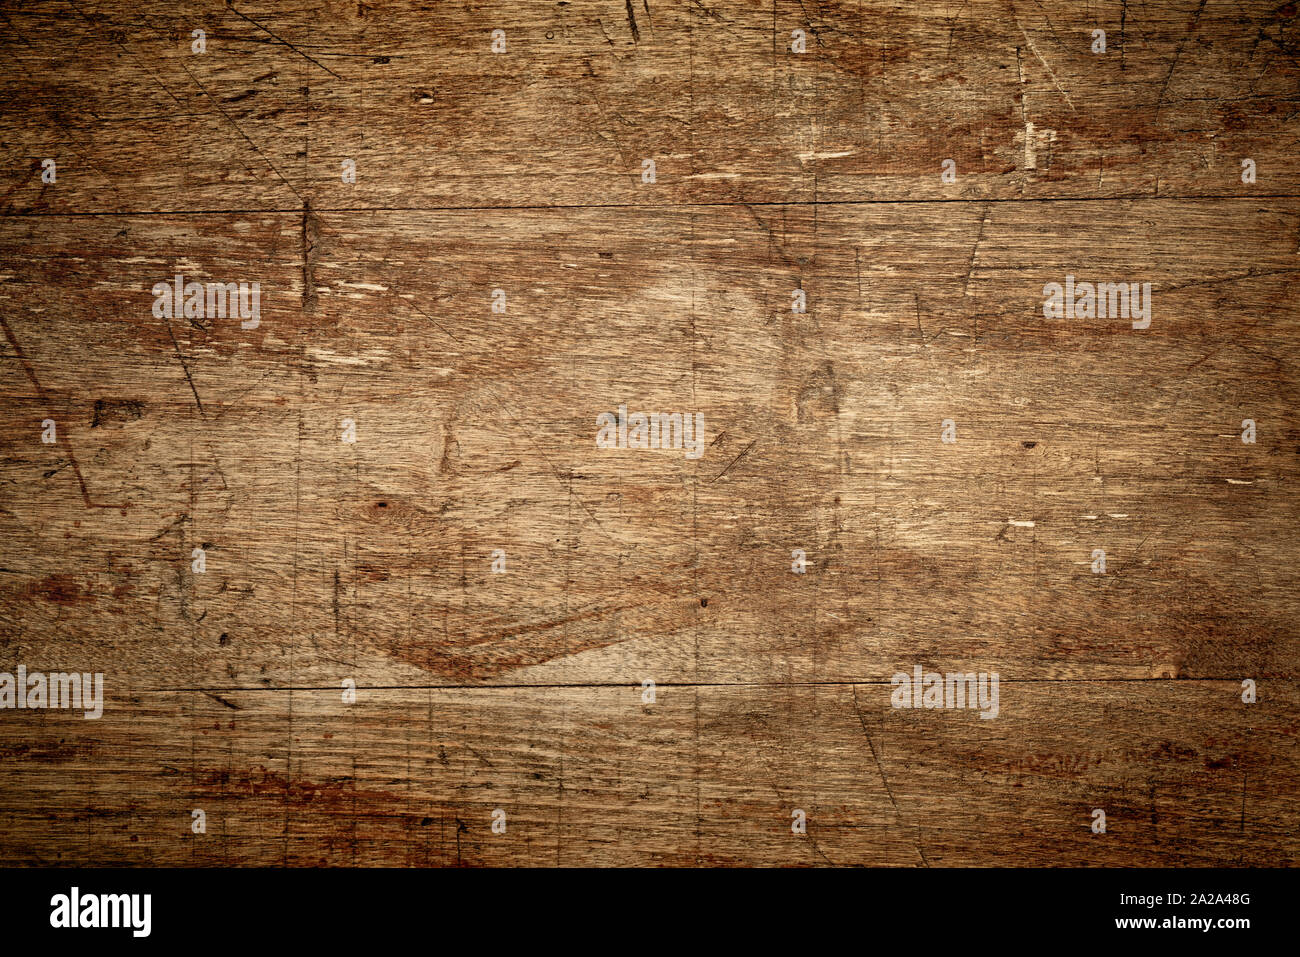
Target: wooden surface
[(775, 171)]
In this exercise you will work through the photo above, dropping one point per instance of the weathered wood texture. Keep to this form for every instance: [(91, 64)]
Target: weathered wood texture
[(775, 171)]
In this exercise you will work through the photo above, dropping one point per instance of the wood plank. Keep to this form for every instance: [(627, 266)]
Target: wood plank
[(586, 90), (476, 432), (1187, 775)]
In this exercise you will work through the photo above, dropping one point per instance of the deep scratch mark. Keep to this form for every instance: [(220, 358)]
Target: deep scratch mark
[(743, 453), (979, 237), (41, 394), (880, 769), (228, 704), (1055, 82), (1160, 101), (631, 19), (284, 41), (184, 367)]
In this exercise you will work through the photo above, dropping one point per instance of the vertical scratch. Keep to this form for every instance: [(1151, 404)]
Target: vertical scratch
[(310, 240), (1123, 16), (631, 19), (184, 368), (1244, 778)]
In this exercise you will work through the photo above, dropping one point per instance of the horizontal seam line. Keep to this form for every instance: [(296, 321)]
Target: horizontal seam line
[(294, 211), (672, 684)]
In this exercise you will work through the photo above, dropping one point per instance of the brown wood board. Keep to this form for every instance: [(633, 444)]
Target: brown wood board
[(777, 174)]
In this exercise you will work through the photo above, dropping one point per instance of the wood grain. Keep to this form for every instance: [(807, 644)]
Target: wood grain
[(775, 172)]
